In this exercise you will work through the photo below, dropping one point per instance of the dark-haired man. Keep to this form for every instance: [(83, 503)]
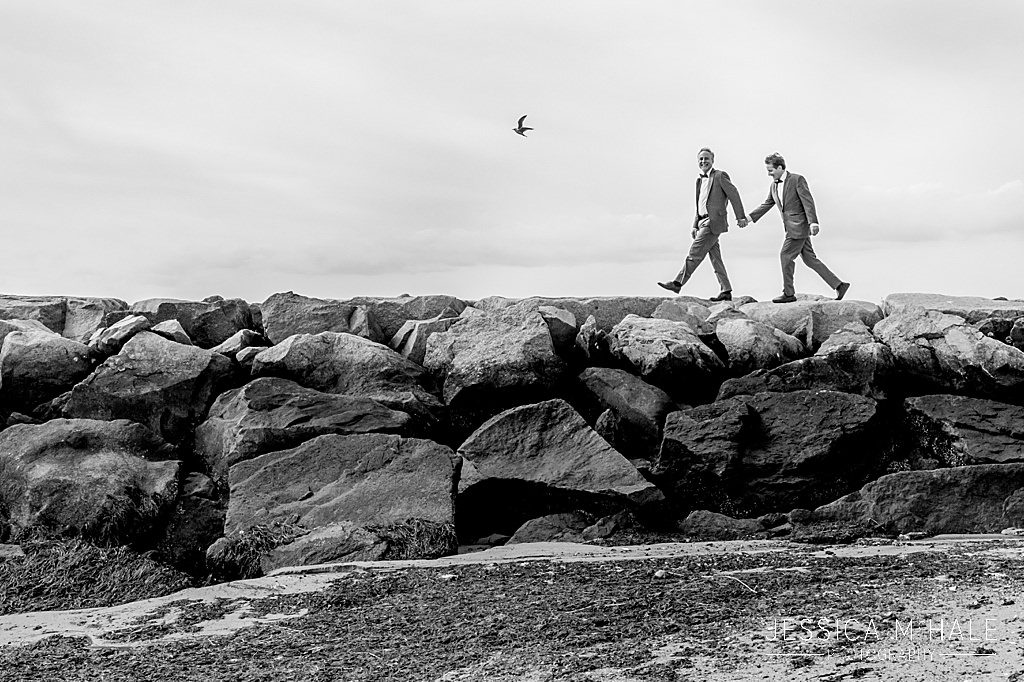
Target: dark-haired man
[(790, 193), (714, 188)]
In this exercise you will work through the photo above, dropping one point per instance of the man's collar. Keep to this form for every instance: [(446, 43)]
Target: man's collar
[(710, 171), (782, 178)]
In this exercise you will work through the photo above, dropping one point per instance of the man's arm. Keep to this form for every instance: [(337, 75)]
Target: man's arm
[(804, 192), (756, 214), (733, 195)]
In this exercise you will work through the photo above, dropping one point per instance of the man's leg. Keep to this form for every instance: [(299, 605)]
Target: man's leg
[(702, 244), (715, 254), (791, 248), (811, 261)]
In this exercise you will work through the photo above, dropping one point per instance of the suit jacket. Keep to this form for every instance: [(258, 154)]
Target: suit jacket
[(721, 190), (797, 207)]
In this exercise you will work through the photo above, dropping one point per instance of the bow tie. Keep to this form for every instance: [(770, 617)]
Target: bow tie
[(703, 175), (778, 182)]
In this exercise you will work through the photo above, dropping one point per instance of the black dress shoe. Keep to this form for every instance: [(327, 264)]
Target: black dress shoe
[(841, 290), (785, 298), (724, 296), (672, 286)]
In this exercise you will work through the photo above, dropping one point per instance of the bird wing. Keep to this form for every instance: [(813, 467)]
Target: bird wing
[(521, 120)]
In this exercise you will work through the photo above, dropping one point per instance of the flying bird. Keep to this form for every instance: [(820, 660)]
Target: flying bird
[(520, 129)]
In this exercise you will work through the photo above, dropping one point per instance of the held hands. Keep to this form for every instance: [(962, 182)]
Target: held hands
[(742, 222)]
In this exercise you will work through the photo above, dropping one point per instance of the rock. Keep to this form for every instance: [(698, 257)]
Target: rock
[(239, 341), (334, 362), (85, 316), (813, 321), (636, 409), (867, 370), (196, 522), (247, 356), (392, 313), (693, 314), (753, 345), (336, 542), (667, 354), (848, 337), (562, 327), (973, 309), (173, 331), (535, 460), (567, 527), (592, 343), (487, 363), (608, 311), (274, 414), (970, 499), (49, 311), (288, 314), (366, 479), (9, 326), (109, 340), (957, 431), (108, 482), (749, 455), (207, 323), (1017, 333), (36, 366), (941, 353), (165, 385), (708, 525), (411, 339)]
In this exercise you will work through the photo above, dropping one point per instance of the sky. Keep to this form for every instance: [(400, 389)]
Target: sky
[(182, 149)]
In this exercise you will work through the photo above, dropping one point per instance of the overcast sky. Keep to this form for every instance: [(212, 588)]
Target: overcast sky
[(240, 148)]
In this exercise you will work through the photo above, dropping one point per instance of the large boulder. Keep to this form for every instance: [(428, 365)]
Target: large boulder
[(608, 311), (207, 323), (984, 498), (369, 480), (50, 311), (848, 361), (637, 409), (84, 316), (667, 354), (941, 353), (972, 309), (813, 320), (392, 313), (36, 366), (334, 362), (154, 381), (288, 314), (953, 430), (751, 345), (274, 414), (540, 459), (108, 340), (488, 363), (105, 481), (749, 455)]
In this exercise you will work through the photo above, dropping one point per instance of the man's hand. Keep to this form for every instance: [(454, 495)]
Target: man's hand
[(742, 222), (814, 229), (704, 223)]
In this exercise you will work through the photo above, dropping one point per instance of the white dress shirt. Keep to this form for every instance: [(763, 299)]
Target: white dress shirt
[(705, 189)]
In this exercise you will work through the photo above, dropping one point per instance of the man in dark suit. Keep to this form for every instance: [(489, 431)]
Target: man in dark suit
[(790, 193), (713, 189)]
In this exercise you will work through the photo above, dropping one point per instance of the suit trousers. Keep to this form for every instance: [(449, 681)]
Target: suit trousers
[(705, 244), (791, 248)]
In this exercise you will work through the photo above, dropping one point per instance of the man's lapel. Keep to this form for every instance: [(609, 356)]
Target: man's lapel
[(785, 186)]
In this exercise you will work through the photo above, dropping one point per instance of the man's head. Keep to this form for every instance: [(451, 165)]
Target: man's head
[(705, 160), (775, 165)]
